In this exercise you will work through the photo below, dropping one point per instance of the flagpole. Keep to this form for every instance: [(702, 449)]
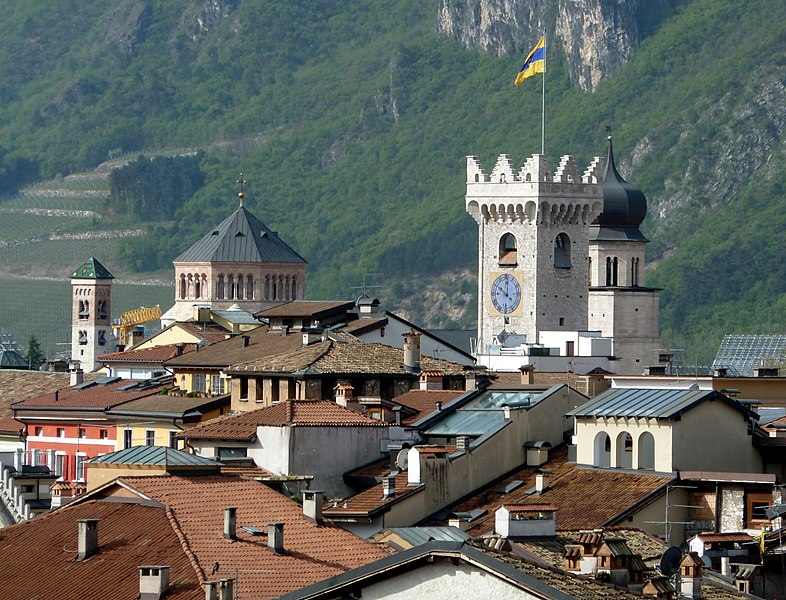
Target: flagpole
[(543, 106)]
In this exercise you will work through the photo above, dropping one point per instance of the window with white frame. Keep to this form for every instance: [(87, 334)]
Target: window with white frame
[(198, 383), (216, 385), (150, 437)]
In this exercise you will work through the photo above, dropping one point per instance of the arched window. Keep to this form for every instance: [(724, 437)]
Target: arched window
[(197, 287), (220, 287), (634, 272), (508, 256), (589, 270), (625, 450), (646, 451), (182, 287), (83, 310), (562, 251), (249, 287), (602, 450), (83, 338), (102, 309), (230, 287), (614, 270)]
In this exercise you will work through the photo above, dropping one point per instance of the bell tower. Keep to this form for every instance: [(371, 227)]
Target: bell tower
[(533, 245), (91, 304)]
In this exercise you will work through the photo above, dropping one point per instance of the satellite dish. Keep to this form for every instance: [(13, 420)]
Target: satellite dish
[(694, 388), (402, 459), (670, 561)]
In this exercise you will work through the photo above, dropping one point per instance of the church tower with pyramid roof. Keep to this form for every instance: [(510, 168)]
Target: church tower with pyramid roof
[(239, 262), (91, 309)]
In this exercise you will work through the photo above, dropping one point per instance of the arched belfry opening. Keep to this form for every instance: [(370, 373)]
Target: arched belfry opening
[(562, 251), (508, 253)]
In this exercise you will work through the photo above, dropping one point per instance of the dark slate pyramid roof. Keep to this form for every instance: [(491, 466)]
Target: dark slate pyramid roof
[(624, 207), (92, 269), (241, 237)]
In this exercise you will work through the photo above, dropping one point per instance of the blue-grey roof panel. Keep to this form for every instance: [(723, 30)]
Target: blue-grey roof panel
[(241, 237), (153, 455), (650, 403), (422, 535)]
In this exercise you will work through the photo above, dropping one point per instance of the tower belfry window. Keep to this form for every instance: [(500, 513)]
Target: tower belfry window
[(562, 251), (508, 255)]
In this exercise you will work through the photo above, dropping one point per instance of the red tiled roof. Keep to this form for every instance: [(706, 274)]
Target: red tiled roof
[(436, 451), (586, 498), (525, 508), (97, 396), (155, 354), (16, 386), (312, 552), (302, 413), (371, 500), (9, 425), (424, 401), (723, 537), (38, 556)]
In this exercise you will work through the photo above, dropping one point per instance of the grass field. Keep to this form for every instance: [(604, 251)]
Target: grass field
[(15, 226), (43, 308)]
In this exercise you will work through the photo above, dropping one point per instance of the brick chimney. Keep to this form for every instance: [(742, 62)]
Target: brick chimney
[(527, 374), (87, 542), (312, 505), (230, 523), (153, 582), (275, 537)]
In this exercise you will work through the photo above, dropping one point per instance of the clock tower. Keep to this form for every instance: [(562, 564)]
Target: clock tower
[(533, 245)]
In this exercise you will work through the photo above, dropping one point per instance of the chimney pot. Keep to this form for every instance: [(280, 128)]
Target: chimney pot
[(411, 350), (275, 537), (541, 482), (388, 486), (77, 377), (153, 582), (227, 587), (179, 349), (312, 505), (87, 544), (230, 523), (439, 405), (462, 443)]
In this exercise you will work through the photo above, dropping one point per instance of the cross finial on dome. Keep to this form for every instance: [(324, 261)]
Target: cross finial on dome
[(241, 182)]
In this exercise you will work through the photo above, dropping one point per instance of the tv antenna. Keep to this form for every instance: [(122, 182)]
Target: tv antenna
[(365, 287)]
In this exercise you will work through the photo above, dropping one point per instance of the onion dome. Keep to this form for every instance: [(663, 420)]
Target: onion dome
[(624, 206)]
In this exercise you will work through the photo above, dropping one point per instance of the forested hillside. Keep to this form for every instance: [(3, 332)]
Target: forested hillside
[(351, 121)]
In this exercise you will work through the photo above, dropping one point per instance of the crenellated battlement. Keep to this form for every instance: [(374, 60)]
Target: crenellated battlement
[(535, 193)]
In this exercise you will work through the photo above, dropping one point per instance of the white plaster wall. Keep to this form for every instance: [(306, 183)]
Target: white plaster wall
[(442, 580), (587, 428)]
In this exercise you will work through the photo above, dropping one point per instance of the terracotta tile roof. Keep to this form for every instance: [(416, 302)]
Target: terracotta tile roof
[(371, 501), (171, 406), (436, 451), (9, 425), (527, 508), (16, 386), (129, 536), (100, 396), (586, 498), (300, 413), (247, 471), (715, 538), (424, 402), (344, 357), (261, 343), (312, 552), (210, 332), (156, 354)]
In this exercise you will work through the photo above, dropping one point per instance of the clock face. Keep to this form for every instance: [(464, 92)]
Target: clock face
[(506, 293)]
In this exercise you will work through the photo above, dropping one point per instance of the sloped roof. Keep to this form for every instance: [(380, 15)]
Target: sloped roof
[(261, 342), (154, 455), (345, 357), (740, 354), (129, 536), (307, 308), (95, 395), (170, 407), (372, 501), (241, 237), (424, 401), (311, 552), (649, 403), (16, 386), (92, 269), (302, 413), (154, 354), (11, 354)]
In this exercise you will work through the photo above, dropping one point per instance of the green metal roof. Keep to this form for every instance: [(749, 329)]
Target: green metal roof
[(92, 269), (154, 455)]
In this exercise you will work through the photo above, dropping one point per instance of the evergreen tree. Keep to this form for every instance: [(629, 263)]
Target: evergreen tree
[(34, 355)]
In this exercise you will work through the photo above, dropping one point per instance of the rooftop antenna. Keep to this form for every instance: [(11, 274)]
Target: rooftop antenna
[(365, 287), (240, 194)]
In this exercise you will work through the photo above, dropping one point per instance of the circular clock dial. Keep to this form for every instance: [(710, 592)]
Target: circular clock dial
[(506, 293)]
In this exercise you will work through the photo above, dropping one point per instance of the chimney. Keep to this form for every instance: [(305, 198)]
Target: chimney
[(725, 566), (77, 376), (312, 335), (275, 537), (246, 340), (211, 592), (462, 443), (506, 412), (721, 372), (179, 349), (227, 587), (396, 414), (312, 506), (542, 480), (87, 544), (388, 486), (230, 523), (438, 404), (527, 374), (153, 582), (411, 350), (470, 381)]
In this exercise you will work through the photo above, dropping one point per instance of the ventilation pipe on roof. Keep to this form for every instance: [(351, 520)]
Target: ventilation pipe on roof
[(275, 537), (153, 582), (312, 505), (230, 523), (87, 544)]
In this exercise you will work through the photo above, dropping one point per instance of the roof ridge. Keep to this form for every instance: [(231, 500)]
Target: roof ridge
[(181, 536)]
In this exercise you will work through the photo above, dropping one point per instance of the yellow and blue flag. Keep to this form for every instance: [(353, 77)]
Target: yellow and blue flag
[(535, 63)]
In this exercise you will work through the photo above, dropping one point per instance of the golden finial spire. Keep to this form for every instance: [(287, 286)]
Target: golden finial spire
[(241, 182)]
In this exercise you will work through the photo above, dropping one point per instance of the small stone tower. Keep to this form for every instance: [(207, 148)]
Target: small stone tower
[(619, 304), (91, 309), (532, 245)]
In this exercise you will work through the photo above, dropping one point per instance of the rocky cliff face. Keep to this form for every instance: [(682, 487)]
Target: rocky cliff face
[(596, 36)]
